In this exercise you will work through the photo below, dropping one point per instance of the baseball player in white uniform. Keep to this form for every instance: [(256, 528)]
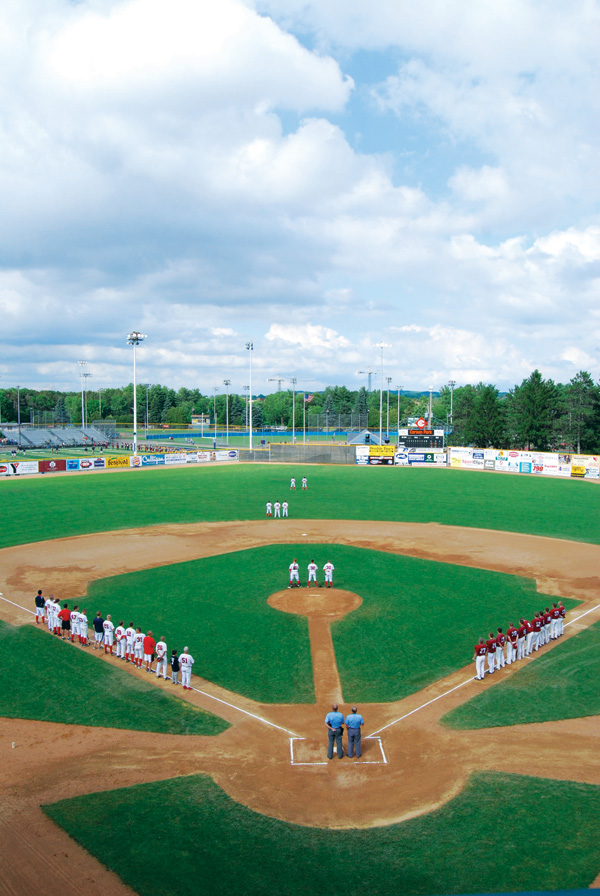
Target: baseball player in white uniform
[(312, 572), (129, 639), (55, 612), (294, 574), (284, 508), (269, 508), (83, 627), (186, 661), (75, 622), (328, 570), (121, 640), (138, 647), (161, 657), (292, 484), (109, 635), (277, 507), (48, 604), (304, 482)]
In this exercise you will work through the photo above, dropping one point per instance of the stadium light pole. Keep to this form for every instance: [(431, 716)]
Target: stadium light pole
[(246, 388), (85, 399), (452, 384), (100, 391), (250, 349), (82, 365), (293, 381), (388, 380), (381, 345), (134, 338), (19, 413), (399, 413), (227, 384)]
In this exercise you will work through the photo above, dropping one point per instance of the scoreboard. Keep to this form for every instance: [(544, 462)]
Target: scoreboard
[(421, 438)]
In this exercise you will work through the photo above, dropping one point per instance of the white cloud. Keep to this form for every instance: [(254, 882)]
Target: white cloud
[(309, 336)]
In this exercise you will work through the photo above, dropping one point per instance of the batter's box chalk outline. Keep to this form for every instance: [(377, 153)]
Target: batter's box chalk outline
[(382, 761)]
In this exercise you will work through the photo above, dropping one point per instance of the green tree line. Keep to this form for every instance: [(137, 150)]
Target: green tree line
[(538, 414)]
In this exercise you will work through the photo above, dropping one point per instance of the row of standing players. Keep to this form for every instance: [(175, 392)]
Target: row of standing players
[(280, 509), (128, 644), (546, 625), (294, 571)]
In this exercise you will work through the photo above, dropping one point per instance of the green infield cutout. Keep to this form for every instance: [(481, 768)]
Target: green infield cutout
[(522, 833), (43, 670), (418, 621), (562, 684), (42, 508)]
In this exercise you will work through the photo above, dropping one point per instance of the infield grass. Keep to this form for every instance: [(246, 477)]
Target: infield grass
[(45, 678), (561, 684), (520, 833), (42, 508), (385, 649)]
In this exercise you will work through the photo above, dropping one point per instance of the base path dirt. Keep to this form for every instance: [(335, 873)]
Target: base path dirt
[(273, 758)]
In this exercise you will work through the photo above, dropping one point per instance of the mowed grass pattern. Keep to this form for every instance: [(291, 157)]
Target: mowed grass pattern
[(42, 508), (565, 682), (539, 835), (386, 649), (45, 678)]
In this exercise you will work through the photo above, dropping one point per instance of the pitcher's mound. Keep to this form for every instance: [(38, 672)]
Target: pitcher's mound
[(331, 603)]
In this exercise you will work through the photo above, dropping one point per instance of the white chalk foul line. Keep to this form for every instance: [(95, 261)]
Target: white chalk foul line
[(429, 702), (382, 761), (577, 618), (218, 699), (245, 711)]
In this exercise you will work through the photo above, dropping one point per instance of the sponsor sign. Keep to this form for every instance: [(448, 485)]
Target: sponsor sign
[(114, 461), (577, 471), (135, 460), (225, 455), (592, 473), (489, 464), (153, 460), (175, 457), (381, 450), (362, 454), (52, 466), (23, 467), (86, 464), (5, 470), (379, 460), (99, 463), (524, 466)]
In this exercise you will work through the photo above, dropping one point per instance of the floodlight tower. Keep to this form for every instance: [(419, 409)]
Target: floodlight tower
[(368, 373), (85, 376), (134, 338), (82, 365), (277, 379), (452, 384), (381, 345), (227, 384), (250, 349), (388, 380), (293, 381)]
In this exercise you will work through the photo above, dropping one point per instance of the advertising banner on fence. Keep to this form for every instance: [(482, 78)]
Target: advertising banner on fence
[(229, 454), (22, 467), (5, 470), (362, 455), (153, 460), (175, 457), (381, 450), (115, 461), (52, 466), (410, 458)]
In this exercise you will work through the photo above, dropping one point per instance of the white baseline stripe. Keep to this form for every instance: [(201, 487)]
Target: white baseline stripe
[(577, 618), (245, 711), (429, 702), (224, 702)]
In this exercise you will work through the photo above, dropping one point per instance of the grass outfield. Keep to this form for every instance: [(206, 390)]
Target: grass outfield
[(42, 508), (218, 606), (539, 835), (106, 697), (564, 682)]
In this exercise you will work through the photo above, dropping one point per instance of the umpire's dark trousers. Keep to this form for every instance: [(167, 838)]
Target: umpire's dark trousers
[(354, 742), (336, 735)]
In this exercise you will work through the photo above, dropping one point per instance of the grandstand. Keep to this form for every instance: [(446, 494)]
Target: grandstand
[(28, 436)]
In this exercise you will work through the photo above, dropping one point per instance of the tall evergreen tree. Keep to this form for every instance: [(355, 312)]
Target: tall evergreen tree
[(582, 412), (534, 410)]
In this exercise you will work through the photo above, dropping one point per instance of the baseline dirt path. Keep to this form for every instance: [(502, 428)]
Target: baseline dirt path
[(426, 764)]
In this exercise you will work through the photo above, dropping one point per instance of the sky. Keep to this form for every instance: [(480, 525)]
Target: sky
[(349, 186)]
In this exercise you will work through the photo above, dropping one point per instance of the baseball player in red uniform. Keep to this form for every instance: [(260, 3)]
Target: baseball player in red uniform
[(554, 622), (511, 644), (561, 622), (521, 639), (491, 652), (479, 657), (500, 642)]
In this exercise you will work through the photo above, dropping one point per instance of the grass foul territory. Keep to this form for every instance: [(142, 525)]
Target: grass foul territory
[(106, 697), (540, 835)]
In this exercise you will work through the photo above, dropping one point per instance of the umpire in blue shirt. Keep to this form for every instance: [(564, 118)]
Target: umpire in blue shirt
[(354, 723), (334, 721)]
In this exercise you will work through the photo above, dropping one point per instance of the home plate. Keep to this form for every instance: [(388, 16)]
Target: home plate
[(313, 751)]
